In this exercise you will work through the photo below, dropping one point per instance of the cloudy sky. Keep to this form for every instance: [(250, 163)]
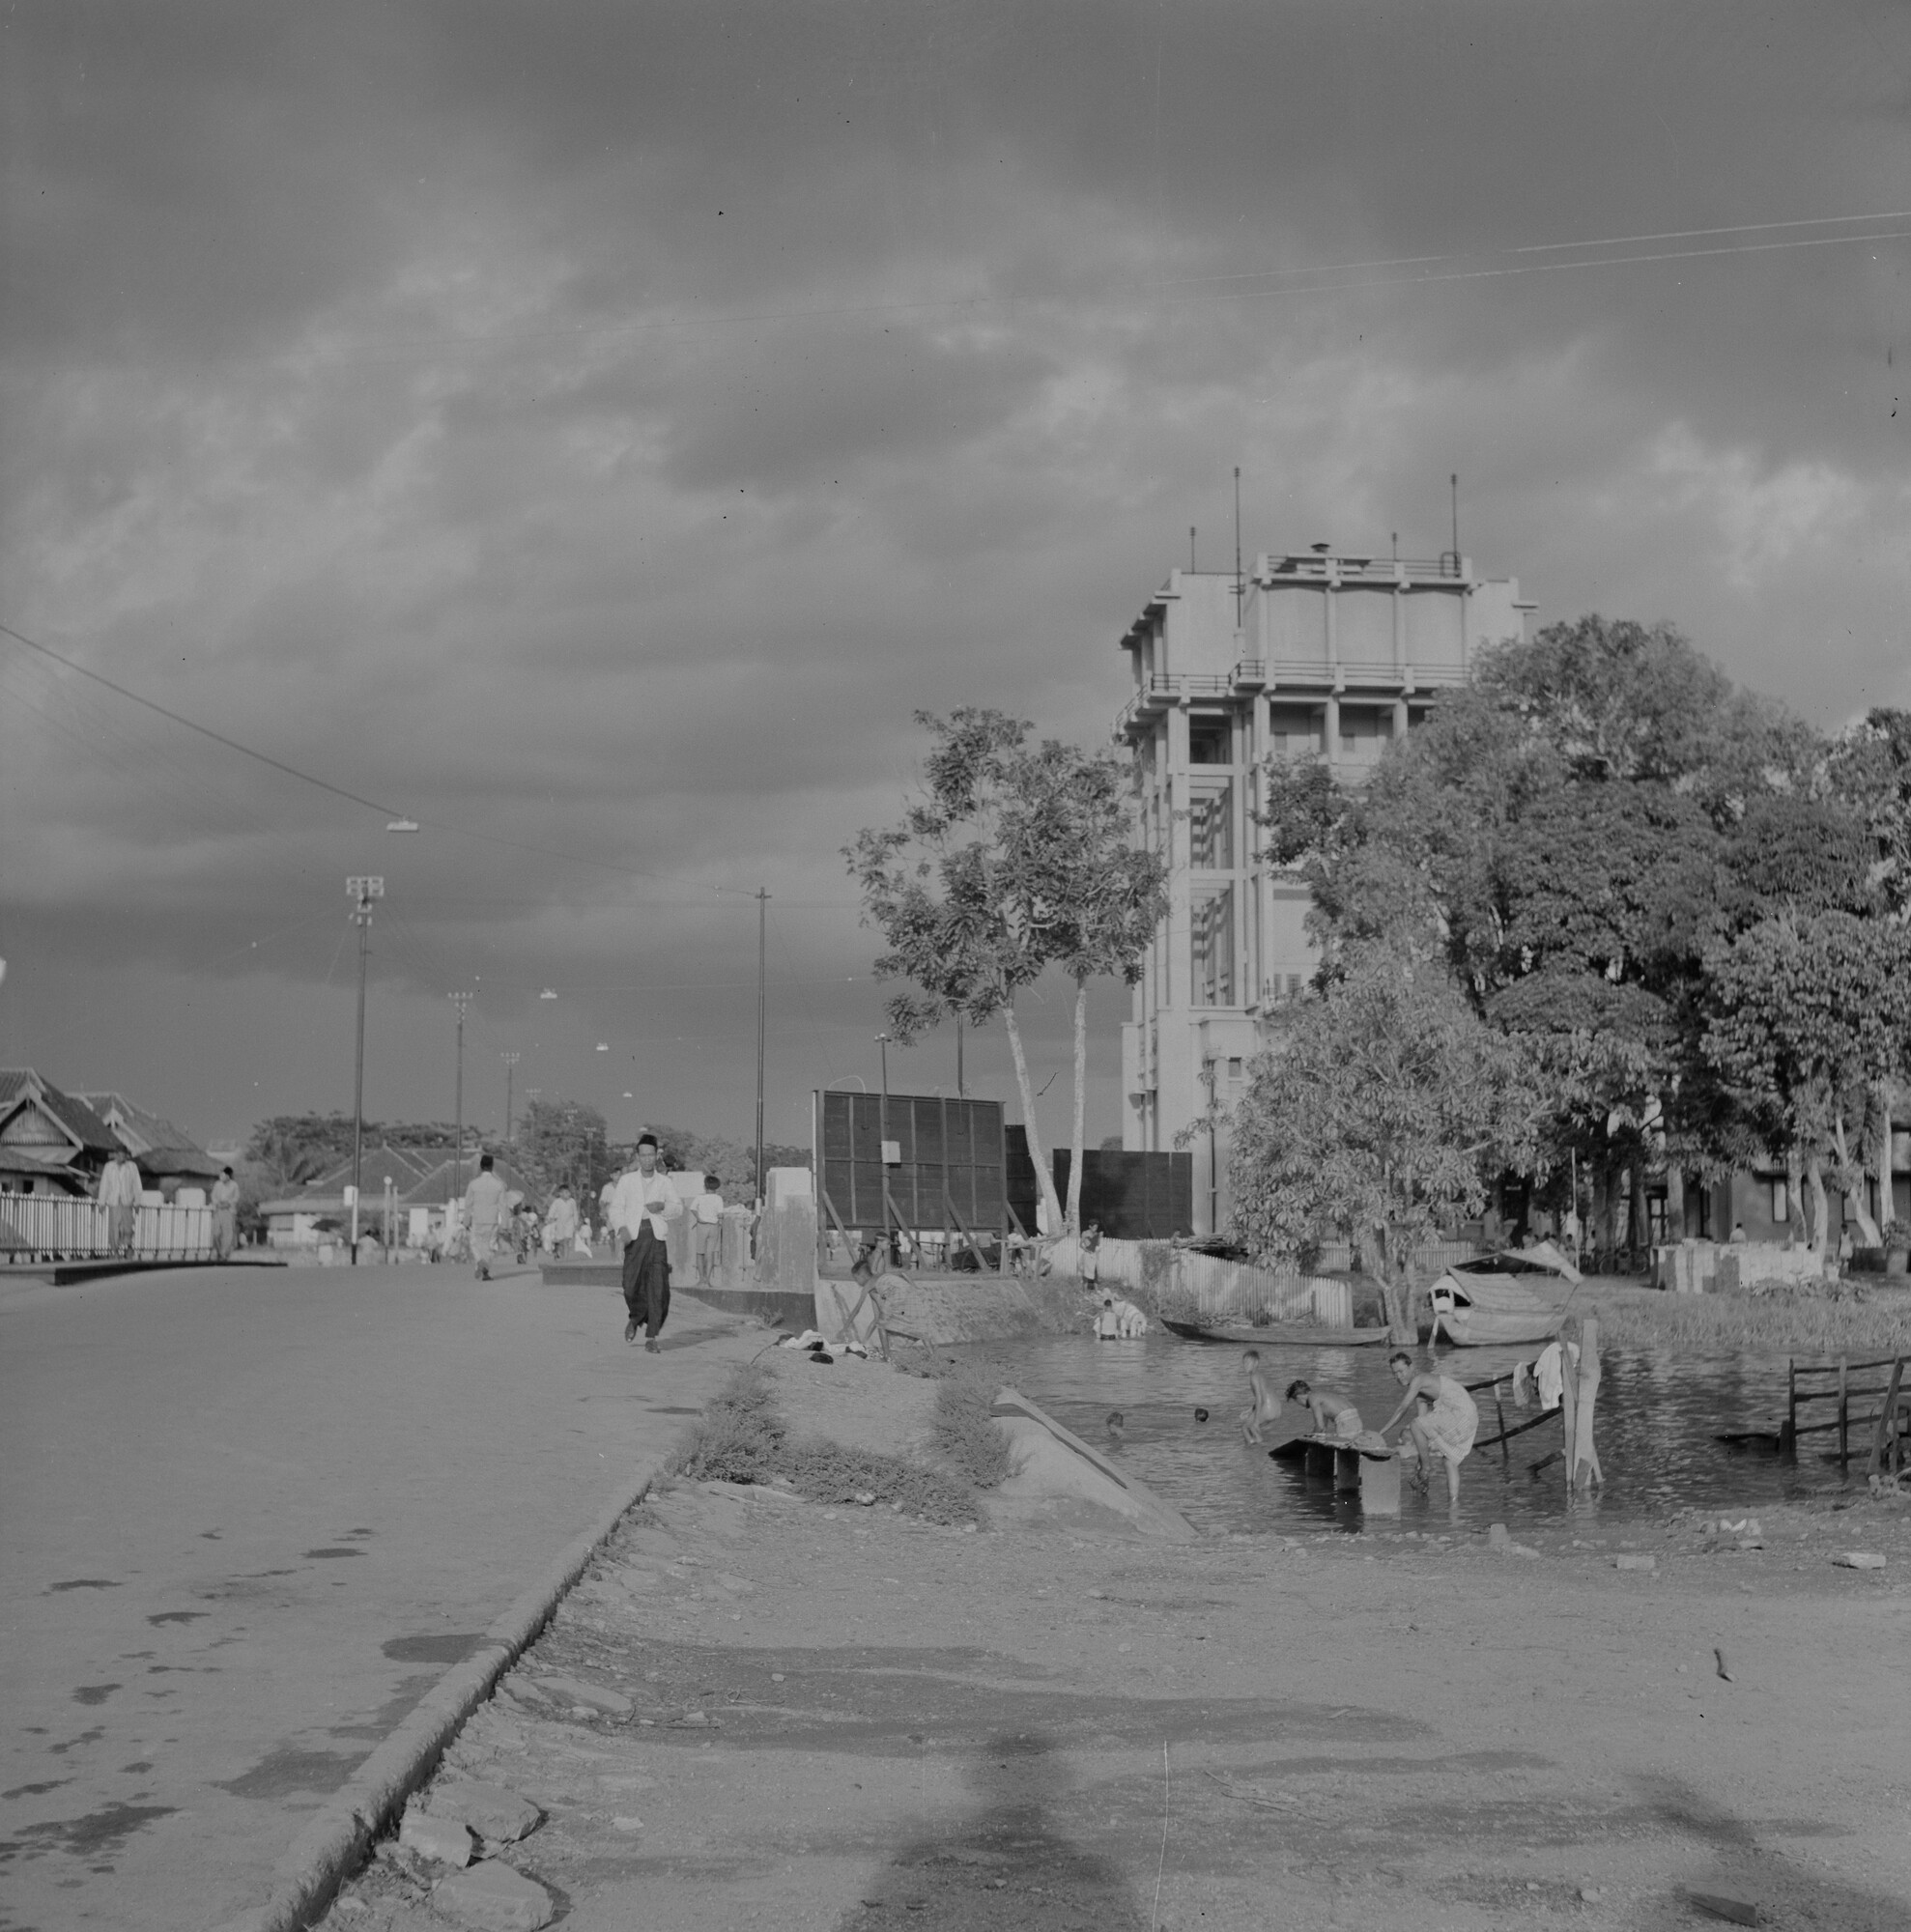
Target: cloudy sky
[(594, 430)]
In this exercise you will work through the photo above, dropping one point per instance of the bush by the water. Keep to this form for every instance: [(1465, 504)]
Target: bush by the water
[(966, 1436), (1791, 1321), (743, 1437)]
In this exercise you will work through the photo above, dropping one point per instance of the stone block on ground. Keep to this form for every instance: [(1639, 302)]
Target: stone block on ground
[(1859, 1559), (594, 1696), (493, 1898), (499, 1816), (444, 1839)]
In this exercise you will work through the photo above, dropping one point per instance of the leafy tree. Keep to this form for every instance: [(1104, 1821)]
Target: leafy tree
[(1574, 832), (1382, 1112), (560, 1140), (946, 890), (1806, 1016), (1070, 832)]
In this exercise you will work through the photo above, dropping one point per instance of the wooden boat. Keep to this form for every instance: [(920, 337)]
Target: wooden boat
[(1276, 1335), (1489, 1303)]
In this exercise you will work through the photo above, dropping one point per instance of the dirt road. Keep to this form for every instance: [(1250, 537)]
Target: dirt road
[(909, 1725)]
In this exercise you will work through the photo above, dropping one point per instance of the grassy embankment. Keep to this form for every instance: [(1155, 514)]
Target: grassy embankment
[(743, 1437), (1859, 1320)]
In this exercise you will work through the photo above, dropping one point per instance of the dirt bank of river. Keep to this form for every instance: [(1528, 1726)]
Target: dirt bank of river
[(906, 1725)]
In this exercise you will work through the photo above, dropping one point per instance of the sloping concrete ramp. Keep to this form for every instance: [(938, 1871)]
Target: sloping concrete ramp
[(1057, 1477)]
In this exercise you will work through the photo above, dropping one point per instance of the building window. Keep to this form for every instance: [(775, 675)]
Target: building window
[(1211, 829), (1211, 924), (1210, 741), (1234, 1066), (1293, 985), (1781, 1203)]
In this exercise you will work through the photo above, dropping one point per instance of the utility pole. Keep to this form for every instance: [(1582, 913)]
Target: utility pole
[(763, 954), (882, 1149), (361, 891), (462, 1000), (1240, 584), (510, 1060), (962, 1092)]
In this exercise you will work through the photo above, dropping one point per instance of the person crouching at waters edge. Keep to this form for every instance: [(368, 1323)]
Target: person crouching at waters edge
[(642, 1206)]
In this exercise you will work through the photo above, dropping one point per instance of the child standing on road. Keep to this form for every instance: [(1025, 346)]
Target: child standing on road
[(707, 1233)]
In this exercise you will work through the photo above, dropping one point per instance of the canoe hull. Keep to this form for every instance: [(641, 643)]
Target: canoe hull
[(1494, 1328), (1278, 1335)]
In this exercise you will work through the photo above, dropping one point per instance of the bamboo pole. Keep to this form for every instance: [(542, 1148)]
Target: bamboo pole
[(1843, 1417), (1582, 1459), (1884, 1437)]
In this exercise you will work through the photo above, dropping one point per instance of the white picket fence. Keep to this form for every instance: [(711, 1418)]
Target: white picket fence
[(54, 1228)]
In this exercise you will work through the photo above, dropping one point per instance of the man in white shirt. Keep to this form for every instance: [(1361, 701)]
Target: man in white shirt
[(642, 1205), (484, 1205), (119, 1194), (706, 1239)]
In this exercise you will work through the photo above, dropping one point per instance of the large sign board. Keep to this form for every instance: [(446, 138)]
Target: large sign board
[(947, 1171)]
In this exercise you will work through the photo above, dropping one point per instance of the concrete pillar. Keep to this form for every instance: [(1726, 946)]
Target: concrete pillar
[(1175, 799), (1330, 731), (1399, 719), (1257, 876)]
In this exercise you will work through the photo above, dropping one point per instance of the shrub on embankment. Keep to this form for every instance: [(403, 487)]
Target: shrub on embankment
[(1787, 1321), (742, 1436)]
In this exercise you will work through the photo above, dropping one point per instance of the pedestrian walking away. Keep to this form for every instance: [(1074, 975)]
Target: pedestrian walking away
[(484, 1202), (642, 1206), (225, 1215), (119, 1195), (706, 1239)]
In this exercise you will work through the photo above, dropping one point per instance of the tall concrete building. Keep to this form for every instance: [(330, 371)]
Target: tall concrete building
[(1312, 656)]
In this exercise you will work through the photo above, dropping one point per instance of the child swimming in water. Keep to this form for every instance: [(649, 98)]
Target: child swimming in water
[(1265, 1405)]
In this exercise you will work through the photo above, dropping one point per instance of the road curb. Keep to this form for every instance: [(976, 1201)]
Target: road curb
[(335, 1842)]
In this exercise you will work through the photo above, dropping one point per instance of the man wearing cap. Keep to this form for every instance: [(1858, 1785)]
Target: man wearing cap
[(225, 1215), (642, 1205)]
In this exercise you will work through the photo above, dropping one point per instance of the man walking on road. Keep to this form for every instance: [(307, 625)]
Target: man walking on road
[(484, 1202), (642, 1206), (225, 1215), (119, 1195)]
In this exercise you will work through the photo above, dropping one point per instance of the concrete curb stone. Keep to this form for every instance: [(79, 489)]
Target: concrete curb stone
[(338, 1838)]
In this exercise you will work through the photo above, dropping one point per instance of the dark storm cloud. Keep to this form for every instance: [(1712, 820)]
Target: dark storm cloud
[(598, 428)]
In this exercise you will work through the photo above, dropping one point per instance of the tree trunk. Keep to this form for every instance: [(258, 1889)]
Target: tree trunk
[(1045, 1177), (1887, 1204), (1603, 1232), (1396, 1287), (1074, 1221), (1795, 1194), (1638, 1230), (1814, 1174)]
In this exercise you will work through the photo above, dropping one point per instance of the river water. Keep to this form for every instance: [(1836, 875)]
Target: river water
[(1658, 1419)]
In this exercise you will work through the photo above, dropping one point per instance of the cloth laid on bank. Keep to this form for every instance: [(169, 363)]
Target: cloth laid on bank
[(647, 1280), (1549, 1372), (1522, 1385), (1454, 1421)]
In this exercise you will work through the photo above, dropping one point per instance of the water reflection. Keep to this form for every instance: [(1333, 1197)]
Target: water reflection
[(1659, 1415)]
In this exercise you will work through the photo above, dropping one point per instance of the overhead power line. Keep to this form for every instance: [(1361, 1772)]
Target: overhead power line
[(386, 812)]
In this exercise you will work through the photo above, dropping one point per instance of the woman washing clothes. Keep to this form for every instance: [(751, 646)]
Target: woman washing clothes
[(1445, 1427)]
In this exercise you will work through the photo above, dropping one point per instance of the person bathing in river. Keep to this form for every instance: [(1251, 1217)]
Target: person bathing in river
[(1333, 1415), (1265, 1406), (1445, 1427)]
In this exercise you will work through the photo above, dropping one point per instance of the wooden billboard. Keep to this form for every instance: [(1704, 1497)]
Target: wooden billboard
[(948, 1172)]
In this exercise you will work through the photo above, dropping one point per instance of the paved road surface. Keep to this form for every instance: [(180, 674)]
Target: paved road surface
[(247, 1518)]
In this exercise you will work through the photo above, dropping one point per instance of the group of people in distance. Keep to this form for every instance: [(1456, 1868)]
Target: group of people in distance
[(639, 1207), (1443, 1428)]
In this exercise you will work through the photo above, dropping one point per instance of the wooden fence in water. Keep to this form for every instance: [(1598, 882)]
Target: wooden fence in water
[(1812, 1386)]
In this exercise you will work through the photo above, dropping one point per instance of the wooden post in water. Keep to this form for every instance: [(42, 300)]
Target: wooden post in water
[(1843, 1415), (1581, 1457), (1569, 1407), (1500, 1410), (1789, 1441)]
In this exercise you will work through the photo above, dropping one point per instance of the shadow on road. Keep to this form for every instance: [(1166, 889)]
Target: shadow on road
[(1006, 1869)]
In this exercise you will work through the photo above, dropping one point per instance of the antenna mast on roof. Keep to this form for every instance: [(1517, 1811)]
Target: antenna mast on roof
[(1238, 586), (1190, 550), (1453, 483)]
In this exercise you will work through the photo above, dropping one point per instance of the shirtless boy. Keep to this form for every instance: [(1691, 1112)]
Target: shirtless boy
[(1265, 1405), (1333, 1415)]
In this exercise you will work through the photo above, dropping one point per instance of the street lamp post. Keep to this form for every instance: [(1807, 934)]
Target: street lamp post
[(510, 1060), (362, 892), (462, 1000)]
